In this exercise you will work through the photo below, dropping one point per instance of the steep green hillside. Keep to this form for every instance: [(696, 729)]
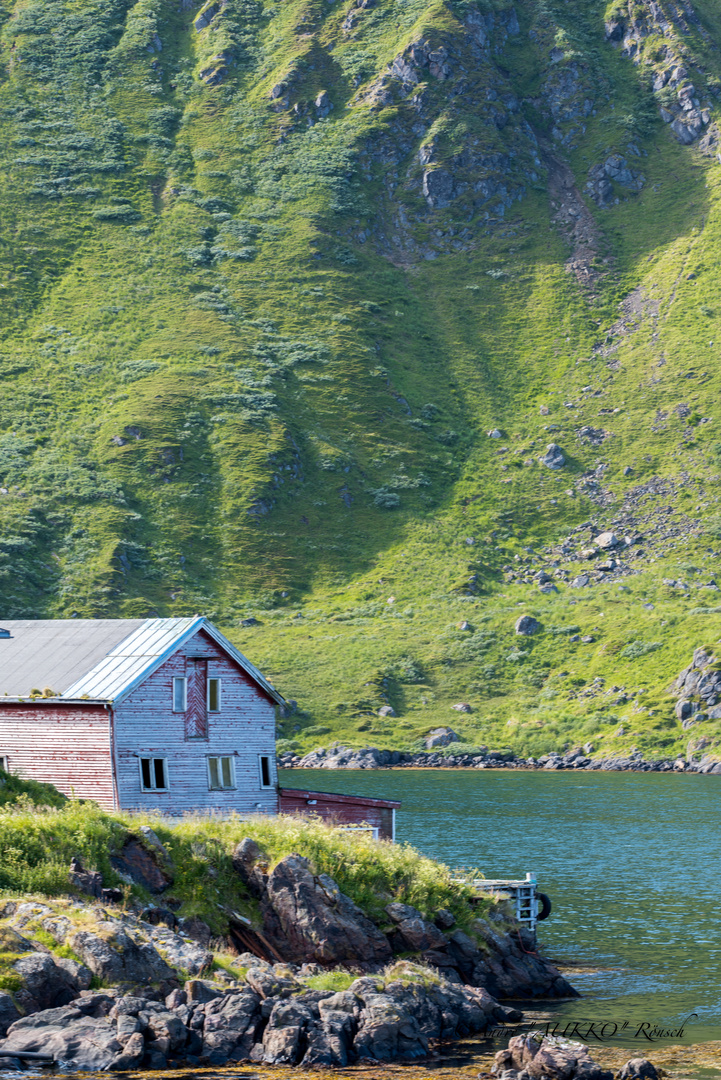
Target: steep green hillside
[(271, 274)]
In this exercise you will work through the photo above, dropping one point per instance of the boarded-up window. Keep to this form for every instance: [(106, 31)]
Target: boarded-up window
[(180, 694), (213, 695), (196, 713), (266, 775), (154, 774), (221, 773)]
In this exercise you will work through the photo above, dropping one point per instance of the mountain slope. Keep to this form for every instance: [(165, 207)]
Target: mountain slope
[(270, 276)]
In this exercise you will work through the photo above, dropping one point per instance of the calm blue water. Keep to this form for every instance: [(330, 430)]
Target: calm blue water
[(631, 861)]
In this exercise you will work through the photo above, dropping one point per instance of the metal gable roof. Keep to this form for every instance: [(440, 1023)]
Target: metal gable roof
[(52, 654), (100, 659)]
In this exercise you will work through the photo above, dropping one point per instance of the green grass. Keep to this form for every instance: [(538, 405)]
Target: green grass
[(331, 980), (15, 791), (215, 397), (38, 842)]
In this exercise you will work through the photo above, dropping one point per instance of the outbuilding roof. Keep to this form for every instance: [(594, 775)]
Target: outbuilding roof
[(98, 659)]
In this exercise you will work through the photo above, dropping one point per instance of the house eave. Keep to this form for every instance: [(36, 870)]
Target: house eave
[(54, 701)]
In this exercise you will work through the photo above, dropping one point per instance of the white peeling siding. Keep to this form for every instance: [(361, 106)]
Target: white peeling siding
[(146, 726)]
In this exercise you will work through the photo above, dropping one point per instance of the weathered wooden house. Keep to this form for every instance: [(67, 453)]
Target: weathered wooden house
[(151, 714), (159, 714)]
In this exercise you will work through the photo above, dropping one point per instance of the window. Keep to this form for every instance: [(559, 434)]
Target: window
[(180, 695), (213, 695), (154, 773), (221, 773), (266, 775), (3, 764)]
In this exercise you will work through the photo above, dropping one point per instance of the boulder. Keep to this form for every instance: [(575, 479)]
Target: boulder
[(418, 935), (442, 736), (44, 984), (125, 960), (387, 710), (554, 457), (387, 1031), (606, 541), (232, 1022), (267, 984), (87, 1043), (284, 1036), (527, 625), (134, 862), (165, 1025), (308, 918), (331, 1044), (539, 1057), (685, 709), (398, 912), (8, 1013), (195, 929), (186, 955), (638, 1069), (89, 882), (131, 1055)]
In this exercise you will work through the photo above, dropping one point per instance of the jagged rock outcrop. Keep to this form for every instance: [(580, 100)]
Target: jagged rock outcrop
[(699, 689), (685, 109), (396, 1017), (115, 948), (614, 170), (538, 1057), (306, 918)]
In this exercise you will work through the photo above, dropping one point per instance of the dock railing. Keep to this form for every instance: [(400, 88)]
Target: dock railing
[(521, 893)]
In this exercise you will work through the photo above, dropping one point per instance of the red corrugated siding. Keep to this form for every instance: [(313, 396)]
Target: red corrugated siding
[(145, 725), (64, 745)]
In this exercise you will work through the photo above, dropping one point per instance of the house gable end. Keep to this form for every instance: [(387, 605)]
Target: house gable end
[(127, 666)]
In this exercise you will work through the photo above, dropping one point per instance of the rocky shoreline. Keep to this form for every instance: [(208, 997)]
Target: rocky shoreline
[(343, 757), (404, 982)]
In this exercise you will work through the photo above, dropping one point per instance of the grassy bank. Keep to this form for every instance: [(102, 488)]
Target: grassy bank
[(37, 842)]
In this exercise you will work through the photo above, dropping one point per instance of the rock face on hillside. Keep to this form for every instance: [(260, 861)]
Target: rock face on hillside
[(699, 689), (681, 105)]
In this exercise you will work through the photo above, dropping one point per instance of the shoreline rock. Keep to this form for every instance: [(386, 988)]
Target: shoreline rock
[(412, 981), (396, 1019), (343, 757)]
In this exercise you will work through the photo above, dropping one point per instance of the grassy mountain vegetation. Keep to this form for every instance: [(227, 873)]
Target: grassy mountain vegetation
[(252, 345)]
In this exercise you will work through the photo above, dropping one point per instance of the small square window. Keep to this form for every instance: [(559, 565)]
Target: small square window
[(154, 774), (213, 695), (180, 695), (221, 773), (266, 772)]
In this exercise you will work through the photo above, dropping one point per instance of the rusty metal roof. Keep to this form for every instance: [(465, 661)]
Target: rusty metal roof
[(98, 659)]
